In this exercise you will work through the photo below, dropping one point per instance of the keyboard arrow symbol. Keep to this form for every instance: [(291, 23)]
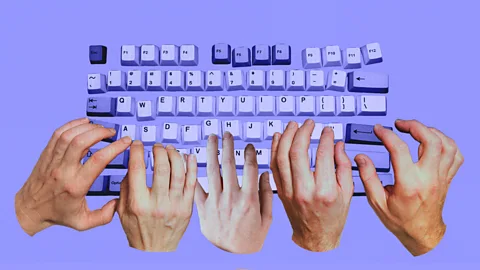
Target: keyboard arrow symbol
[(93, 107), (360, 79), (211, 73), (359, 131)]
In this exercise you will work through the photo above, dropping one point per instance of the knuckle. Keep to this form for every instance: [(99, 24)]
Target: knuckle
[(326, 197), (228, 161), (137, 209), (295, 153), (282, 162), (99, 156), (78, 142), (435, 142), (400, 147), (302, 198)]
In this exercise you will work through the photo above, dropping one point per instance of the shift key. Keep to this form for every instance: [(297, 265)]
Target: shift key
[(367, 82), (362, 134)]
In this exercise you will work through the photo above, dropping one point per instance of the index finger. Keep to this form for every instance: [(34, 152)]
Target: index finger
[(300, 161), (136, 170), (398, 149), (324, 161)]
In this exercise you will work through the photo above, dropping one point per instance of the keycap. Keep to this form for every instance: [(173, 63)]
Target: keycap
[(337, 80), (166, 106), (210, 126), (119, 162), (175, 80), (130, 55), (361, 134), (169, 55), (148, 134), (326, 106), (276, 80), (367, 82), (234, 127), (125, 106), (253, 131), (186, 106), (170, 133), (206, 106), (101, 106), (96, 84), (105, 124), (99, 185), (116, 81), (311, 58), (352, 58), (155, 80), (256, 80), (261, 55), (296, 80), (226, 106), (145, 110), (150, 55), (98, 54), (241, 57), (345, 106), (128, 130), (235, 80), (188, 55), (281, 54), (315, 80), (135, 81), (246, 106), (194, 80), (331, 56), (266, 106), (372, 53), (221, 54), (214, 80), (372, 105)]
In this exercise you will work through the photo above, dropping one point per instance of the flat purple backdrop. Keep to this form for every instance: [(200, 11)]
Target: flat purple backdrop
[(430, 51)]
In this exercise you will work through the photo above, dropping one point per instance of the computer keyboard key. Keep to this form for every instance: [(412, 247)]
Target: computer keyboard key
[(261, 55), (148, 135), (101, 106), (372, 105), (326, 105), (166, 106), (296, 80), (128, 130), (372, 54), (99, 185), (315, 80), (337, 80), (226, 106), (135, 81), (256, 80), (385, 178), (345, 106), (352, 58), (311, 58), (96, 84), (97, 54), (253, 131), (201, 155), (235, 80), (191, 134), (125, 106), (119, 162), (281, 54), (214, 80), (266, 106), (221, 54), (186, 106), (113, 126), (169, 55), (155, 80), (286, 106), (377, 153), (188, 55), (175, 80), (305, 106), (149, 55), (337, 131), (246, 106), (276, 80), (271, 127), (130, 55), (234, 127), (206, 106), (331, 56), (116, 81), (241, 57), (145, 110), (209, 127), (194, 80), (170, 133), (317, 132), (367, 82), (361, 134), (115, 182)]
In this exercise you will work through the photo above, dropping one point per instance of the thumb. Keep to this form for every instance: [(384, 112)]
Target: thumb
[(372, 184), (266, 198), (100, 217)]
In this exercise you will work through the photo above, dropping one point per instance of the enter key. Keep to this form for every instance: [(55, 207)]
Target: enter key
[(362, 134)]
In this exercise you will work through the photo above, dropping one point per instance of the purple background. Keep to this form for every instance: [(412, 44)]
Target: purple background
[(430, 51)]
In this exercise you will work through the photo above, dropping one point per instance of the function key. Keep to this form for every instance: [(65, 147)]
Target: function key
[(188, 55), (130, 55), (221, 54), (352, 58), (98, 54), (241, 57), (372, 54), (169, 55), (311, 58), (261, 55), (149, 55), (281, 54), (331, 56)]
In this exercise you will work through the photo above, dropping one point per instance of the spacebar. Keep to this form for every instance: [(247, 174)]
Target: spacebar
[(377, 153)]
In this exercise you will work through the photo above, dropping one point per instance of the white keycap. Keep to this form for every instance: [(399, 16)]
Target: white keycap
[(296, 80), (191, 134), (276, 80), (149, 55), (128, 130), (166, 106), (337, 131), (135, 81), (201, 154), (266, 106), (170, 133), (183, 151), (226, 106), (239, 155), (174, 81), (214, 80), (246, 106), (188, 55), (125, 106), (155, 80), (96, 83), (352, 58), (253, 131), (256, 80), (148, 134), (194, 80), (317, 132), (346, 106), (286, 105), (315, 80), (311, 58), (306, 105), (206, 106), (145, 110), (186, 106), (372, 53), (326, 105), (169, 55), (130, 55), (235, 80), (372, 105), (116, 81), (263, 157), (234, 127), (331, 56), (211, 126), (337, 80), (271, 127)]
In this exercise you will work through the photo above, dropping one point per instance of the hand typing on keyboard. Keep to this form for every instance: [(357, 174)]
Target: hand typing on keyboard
[(316, 203), (412, 208), (233, 218), (54, 194), (155, 219)]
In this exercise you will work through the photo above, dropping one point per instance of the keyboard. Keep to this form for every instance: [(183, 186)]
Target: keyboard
[(180, 94)]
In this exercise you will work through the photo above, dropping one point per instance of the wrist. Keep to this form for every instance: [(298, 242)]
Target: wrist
[(421, 244), (316, 243), (153, 248), (28, 218)]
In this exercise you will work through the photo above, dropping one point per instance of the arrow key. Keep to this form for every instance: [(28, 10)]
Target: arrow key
[(362, 134)]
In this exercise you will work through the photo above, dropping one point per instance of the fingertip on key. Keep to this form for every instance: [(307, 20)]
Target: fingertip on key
[(126, 139)]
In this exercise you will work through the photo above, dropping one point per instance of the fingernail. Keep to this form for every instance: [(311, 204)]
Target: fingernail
[(309, 122), (291, 124), (112, 130), (378, 126), (275, 136), (126, 139), (399, 120), (227, 135), (157, 145), (212, 137), (360, 161), (170, 146), (137, 142)]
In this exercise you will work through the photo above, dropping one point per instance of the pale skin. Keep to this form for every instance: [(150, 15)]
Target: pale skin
[(233, 218), (155, 219)]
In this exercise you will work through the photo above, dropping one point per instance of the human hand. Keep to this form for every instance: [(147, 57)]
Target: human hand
[(54, 193), (234, 219), (316, 203), (155, 219), (412, 208)]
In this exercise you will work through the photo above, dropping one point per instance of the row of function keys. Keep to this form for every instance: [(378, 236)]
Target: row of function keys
[(256, 80), (222, 54)]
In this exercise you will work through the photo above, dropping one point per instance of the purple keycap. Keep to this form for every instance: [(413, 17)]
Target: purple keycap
[(361, 134), (281, 54), (116, 127), (241, 57), (261, 55), (367, 82), (101, 106), (99, 185), (119, 162), (221, 54)]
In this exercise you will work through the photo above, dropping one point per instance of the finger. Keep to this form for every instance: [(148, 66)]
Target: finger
[(266, 198), (137, 178), (398, 149), (250, 171), (48, 151), (457, 163), (283, 158), (299, 159), (177, 171), (449, 150), (123, 198), (99, 217), (432, 144), (273, 162), (343, 168), (200, 198), (161, 171), (229, 170), (324, 162), (213, 168), (191, 177), (374, 190)]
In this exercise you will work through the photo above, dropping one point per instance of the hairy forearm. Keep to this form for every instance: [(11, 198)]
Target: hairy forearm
[(317, 242)]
